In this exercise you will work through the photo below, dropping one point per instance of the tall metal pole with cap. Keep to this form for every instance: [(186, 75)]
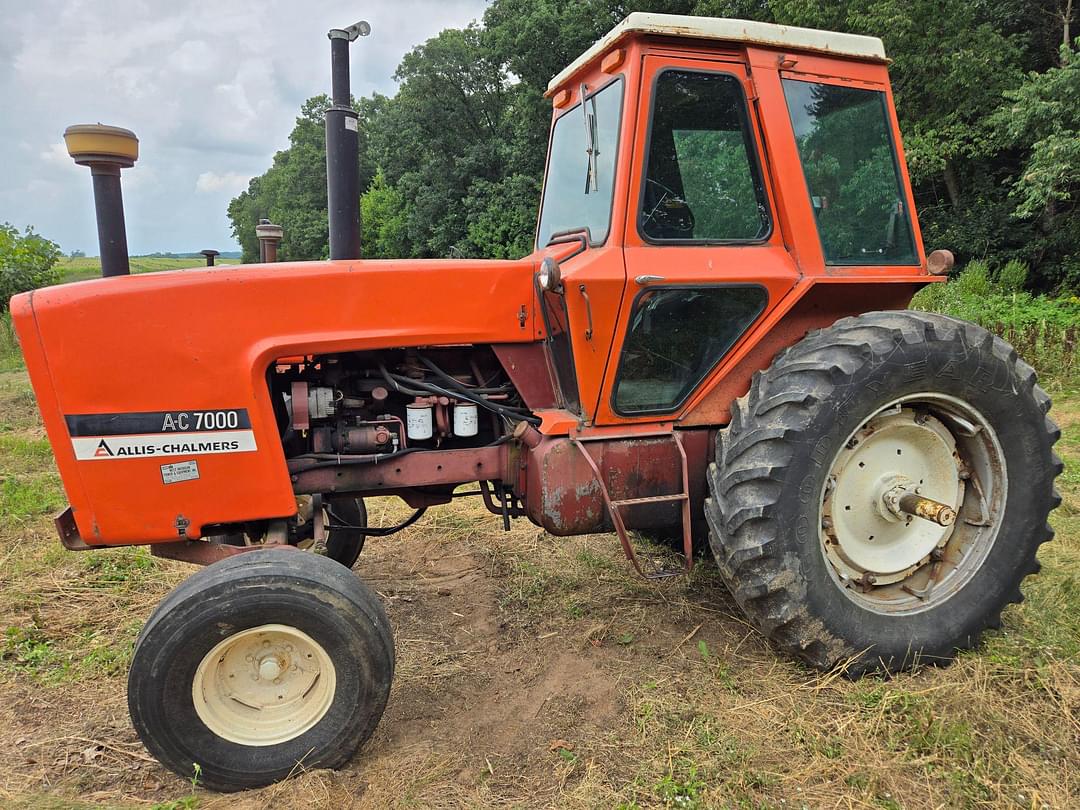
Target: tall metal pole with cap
[(342, 148), (106, 150)]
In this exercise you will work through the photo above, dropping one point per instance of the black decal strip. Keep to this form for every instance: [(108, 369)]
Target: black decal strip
[(130, 424)]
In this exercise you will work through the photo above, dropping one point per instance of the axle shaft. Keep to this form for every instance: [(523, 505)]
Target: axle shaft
[(911, 503)]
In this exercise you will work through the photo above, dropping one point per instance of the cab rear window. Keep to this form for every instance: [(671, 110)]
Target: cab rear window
[(852, 173)]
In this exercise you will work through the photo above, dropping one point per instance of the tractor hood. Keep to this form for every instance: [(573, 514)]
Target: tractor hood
[(205, 340)]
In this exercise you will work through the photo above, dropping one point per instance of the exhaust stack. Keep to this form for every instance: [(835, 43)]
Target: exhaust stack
[(270, 236), (106, 150), (342, 148)]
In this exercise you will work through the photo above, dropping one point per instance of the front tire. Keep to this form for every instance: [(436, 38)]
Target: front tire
[(799, 515), (260, 665)]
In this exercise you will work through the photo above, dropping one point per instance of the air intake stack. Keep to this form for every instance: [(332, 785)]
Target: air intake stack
[(106, 150), (342, 148)]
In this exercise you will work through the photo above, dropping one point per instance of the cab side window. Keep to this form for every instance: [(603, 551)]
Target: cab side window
[(676, 336), (702, 181), (852, 173)]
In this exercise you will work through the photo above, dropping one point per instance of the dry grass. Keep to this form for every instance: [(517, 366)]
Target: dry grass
[(534, 671)]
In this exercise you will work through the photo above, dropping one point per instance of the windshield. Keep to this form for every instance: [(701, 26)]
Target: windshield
[(579, 185)]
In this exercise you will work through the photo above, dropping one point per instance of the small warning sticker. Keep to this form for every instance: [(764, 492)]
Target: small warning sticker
[(181, 471)]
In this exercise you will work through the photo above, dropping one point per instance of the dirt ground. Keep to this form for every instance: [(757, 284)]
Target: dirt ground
[(535, 671)]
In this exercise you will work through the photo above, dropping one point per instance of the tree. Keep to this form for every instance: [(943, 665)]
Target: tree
[(452, 163), (27, 261), (383, 216), (292, 192), (1043, 120)]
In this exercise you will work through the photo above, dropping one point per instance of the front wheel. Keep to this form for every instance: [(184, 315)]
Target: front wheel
[(259, 665), (882, 489), (344, 520)]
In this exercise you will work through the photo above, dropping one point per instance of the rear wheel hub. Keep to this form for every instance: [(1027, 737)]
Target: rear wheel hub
[(906, 501), (894, 452)]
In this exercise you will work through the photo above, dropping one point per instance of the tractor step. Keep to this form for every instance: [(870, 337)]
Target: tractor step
[(678, 496), (614, 507)]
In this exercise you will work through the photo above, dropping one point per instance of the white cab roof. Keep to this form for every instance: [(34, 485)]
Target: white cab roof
[(725, 30)]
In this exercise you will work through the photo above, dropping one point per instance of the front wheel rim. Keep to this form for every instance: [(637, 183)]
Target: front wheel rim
[(264, 686), (930, 444)]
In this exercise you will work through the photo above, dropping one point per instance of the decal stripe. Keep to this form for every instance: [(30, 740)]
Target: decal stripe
[(128, 424), (157, 445)]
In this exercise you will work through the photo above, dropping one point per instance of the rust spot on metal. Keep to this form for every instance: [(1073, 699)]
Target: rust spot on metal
[(913, 504)]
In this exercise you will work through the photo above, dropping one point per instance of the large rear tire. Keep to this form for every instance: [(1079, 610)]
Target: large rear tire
[(260, 665), (804, 512)]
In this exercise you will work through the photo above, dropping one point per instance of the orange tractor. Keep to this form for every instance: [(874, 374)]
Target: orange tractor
[(710, 340)]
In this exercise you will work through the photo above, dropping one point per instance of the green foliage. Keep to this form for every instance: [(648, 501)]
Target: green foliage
[(27, 261), (1012, 277), (10, 354), (985, 146), (21, 498), (292, 192), (1044, 330), (382, 212), (987, 95)]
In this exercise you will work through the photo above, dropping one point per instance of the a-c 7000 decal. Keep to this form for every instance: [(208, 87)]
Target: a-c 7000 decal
[(153, 434)]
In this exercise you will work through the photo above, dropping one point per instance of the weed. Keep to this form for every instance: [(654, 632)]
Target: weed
[(189, 802), (23, 497), (27, 649), (118, 566), (566, 755), (573, 608), (681, 787), (703, 648), (1045, 331)]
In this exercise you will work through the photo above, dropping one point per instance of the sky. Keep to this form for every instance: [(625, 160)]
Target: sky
[(210, 87)]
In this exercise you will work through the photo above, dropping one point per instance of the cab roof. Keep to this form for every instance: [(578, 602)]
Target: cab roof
[(728, 30)]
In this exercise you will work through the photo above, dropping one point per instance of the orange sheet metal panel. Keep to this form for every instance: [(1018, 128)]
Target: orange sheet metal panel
[(201, 341)]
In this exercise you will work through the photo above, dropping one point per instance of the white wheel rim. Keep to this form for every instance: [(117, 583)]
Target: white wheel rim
[(264, 686), (895, 449), (893, 563)]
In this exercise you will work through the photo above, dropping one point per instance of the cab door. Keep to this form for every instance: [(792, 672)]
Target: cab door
[(704, 255)]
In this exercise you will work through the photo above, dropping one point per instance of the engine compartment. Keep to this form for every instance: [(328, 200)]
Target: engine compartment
[(365, 407)]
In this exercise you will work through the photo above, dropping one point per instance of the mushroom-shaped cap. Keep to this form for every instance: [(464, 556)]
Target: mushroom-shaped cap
[(99, 143)]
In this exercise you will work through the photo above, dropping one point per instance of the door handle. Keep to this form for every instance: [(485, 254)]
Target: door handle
[(588, 310), (643, 280)]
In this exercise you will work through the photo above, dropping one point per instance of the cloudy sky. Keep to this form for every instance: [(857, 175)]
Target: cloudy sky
[(211, 87)]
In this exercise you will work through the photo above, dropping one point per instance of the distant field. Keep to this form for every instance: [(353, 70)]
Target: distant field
[(86, 267)]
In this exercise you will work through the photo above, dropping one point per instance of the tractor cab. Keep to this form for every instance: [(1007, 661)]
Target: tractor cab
[(707, 167)]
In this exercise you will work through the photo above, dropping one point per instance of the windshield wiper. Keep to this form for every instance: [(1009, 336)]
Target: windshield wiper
[(590, 138)]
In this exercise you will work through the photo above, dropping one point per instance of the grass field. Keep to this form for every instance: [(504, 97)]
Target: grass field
[(535, 671), (84, 267)]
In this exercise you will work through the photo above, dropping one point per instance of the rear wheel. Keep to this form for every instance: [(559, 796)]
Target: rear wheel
[(882, 489), (259, 665)]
